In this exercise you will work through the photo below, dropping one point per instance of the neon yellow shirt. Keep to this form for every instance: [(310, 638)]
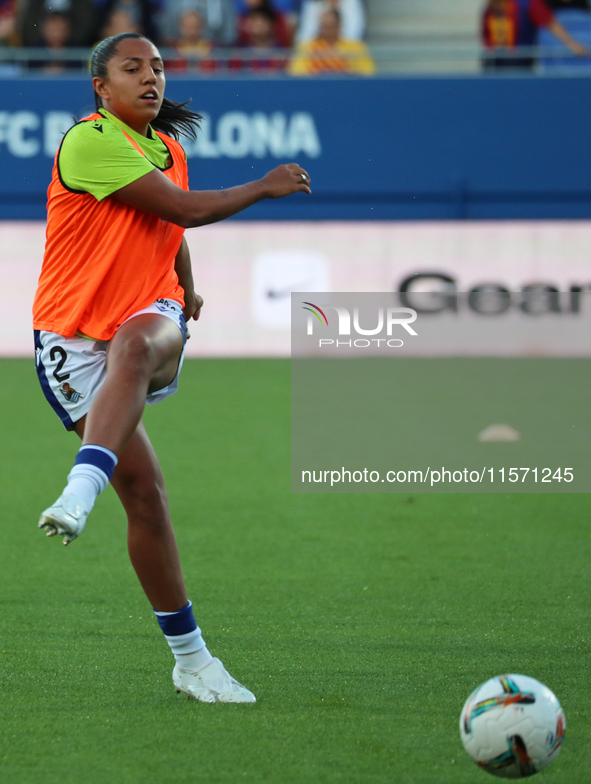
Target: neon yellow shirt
[(96, 158)]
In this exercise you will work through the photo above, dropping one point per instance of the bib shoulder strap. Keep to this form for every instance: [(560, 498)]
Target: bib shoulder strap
[(134, 143)]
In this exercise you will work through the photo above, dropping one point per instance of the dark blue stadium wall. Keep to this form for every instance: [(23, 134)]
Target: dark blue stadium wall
[(384, 149)]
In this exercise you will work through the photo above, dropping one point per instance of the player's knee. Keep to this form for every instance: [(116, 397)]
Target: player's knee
[(135, 352)]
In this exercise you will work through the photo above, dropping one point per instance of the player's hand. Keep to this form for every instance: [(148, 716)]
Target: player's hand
[(286, 179), (193, 305), (192, 309)]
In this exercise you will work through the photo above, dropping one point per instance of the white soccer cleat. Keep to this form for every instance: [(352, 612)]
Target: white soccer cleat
[(67, 517), (211, 684)]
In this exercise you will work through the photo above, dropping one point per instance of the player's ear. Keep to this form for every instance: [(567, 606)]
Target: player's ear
[(100, 87)]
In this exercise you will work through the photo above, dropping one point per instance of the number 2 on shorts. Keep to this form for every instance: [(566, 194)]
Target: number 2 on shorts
[(59, 351)]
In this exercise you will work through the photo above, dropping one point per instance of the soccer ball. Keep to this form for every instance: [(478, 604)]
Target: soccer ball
[(512, 726)]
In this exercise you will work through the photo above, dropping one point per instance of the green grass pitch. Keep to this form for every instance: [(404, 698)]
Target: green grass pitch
[(361, 622)]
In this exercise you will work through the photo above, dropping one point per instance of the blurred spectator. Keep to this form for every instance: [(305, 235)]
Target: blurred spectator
[(252, 24), (191, 45), (118, 21), (192, 39), (56, 36), (219, 17), (352, 13), (8, 34), (507, 24), (289, 10), (126, 16), (329, 53), (259, 29), (56, 31), (259, 34), (80, 14)]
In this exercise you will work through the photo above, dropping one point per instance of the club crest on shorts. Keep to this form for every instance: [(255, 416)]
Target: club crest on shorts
[(70, 393)]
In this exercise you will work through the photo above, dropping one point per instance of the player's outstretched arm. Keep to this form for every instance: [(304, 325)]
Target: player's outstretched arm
[(156, 194), (182, 267)]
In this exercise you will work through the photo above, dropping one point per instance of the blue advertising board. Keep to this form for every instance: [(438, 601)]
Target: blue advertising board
[(377, 149)]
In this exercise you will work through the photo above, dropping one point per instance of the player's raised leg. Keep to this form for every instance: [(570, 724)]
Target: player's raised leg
[(143, 356)]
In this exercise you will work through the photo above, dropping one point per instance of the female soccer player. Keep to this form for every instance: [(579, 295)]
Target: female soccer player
[(110, 314)]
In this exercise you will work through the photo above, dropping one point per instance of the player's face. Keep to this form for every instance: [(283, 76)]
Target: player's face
[(134, 87)]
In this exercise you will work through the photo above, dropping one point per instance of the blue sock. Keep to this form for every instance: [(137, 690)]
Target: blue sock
[(184, 637), (91, 474)]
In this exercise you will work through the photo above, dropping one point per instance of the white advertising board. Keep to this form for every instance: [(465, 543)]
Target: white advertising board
[(247, 271)]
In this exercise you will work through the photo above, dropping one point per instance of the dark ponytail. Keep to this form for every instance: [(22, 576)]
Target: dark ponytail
[(174, 119)]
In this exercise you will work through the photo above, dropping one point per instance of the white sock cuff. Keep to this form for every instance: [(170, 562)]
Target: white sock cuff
[(103, 449), (162, 614), (186, 643)]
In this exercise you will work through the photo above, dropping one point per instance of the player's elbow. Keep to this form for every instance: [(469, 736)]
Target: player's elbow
[(188, 215), (193, 221), (186, 219), (183, 221), (200, 219)]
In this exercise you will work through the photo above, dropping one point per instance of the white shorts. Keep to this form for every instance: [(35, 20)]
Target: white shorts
[(72, 370)]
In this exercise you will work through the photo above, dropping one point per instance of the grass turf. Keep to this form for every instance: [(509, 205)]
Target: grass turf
[(361, 622)]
